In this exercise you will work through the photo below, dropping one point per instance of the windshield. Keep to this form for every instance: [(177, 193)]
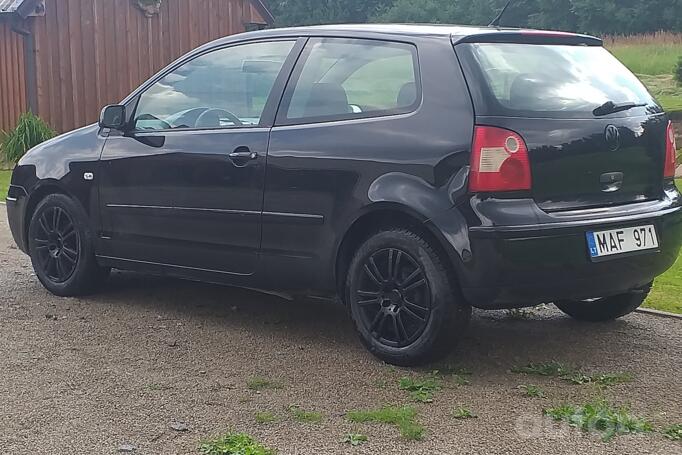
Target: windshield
[(530, 79)]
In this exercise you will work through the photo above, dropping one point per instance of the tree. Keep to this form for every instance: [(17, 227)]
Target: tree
[(307, 12), (600, 17)]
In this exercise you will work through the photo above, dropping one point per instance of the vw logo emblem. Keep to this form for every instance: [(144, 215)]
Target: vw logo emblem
[(612, 136)]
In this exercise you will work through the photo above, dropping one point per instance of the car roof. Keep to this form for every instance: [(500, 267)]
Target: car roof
[(456, 33)]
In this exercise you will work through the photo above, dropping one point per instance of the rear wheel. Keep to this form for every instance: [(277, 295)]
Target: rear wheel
[(61, 249), (605, 309), (405, 304)]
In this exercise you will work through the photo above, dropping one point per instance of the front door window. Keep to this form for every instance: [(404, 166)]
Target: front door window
[(225, 88)]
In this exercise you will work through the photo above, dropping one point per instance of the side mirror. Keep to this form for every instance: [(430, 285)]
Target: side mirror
[(113, 117)]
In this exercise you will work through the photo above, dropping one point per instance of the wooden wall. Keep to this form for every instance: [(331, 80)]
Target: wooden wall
[(90, 53), (12, 77)]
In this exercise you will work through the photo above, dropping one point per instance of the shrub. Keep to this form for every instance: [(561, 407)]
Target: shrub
[(31, 130), (678, 71)]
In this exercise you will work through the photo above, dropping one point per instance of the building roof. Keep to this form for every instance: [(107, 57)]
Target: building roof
[(13, 6), (23, 8), (9, 6), (263, 10)]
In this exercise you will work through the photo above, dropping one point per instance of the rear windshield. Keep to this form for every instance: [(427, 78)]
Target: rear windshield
[(548, 80)]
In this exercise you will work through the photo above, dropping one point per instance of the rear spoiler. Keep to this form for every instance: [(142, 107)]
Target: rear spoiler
[(528, 37)]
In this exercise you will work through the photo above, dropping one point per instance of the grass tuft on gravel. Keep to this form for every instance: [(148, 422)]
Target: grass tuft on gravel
[(463, 413), (354, 439), (259, 383), (532, 391), (421, 390), (572, 375), (403, 417), (458, 374), (602, 380), (673, 432), (599, 416), (155, 387), (234, 444), (302, 416), (264, 417), (543, 369)]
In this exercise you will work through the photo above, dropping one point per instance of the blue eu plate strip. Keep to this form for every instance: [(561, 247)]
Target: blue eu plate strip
[(594, 252)]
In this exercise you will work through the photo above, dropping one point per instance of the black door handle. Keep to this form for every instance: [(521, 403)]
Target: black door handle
[(242, 154)]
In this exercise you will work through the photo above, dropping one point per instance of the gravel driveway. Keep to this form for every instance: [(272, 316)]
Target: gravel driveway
[(85, 376)]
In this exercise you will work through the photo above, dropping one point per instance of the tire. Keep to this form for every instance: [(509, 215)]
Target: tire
[(406, 305), (60, 244), (606, 309)]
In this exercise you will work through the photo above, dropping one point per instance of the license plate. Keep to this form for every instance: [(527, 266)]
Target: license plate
[(619, 241)]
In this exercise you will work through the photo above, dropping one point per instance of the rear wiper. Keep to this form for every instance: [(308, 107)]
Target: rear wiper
[(610, 107)]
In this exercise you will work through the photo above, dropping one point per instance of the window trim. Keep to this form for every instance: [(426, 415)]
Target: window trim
[(282, 118), (271, 104)]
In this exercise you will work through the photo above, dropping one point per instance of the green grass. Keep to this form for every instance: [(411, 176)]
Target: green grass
[(156, 387), (673, 432), (258, 383), (302, 416), (664, 88), (403, 417), (600, 379), (665, 296), (570, 374), (234, 444), (421, 390), (543, 369), (654, 64), (5, 177), (455, 373), (265, 417), (659, 58), (354, 439), (601, 417), (532, 391), (462, 413)]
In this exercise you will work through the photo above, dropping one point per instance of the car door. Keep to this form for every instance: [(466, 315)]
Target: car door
[(346, 118), (184, 186)]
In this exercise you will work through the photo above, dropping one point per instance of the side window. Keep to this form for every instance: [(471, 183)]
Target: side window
[(339, 79), (222, 89)]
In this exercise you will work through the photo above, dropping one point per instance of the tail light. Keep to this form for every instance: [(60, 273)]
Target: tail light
[(499, 161), (670, 152)]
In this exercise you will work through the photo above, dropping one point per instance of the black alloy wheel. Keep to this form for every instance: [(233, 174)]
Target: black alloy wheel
[(58, 244), (394, 297), (404, 299), (61, 246)]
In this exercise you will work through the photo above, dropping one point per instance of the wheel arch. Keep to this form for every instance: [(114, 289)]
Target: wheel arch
[(38, 193), (385, 215)]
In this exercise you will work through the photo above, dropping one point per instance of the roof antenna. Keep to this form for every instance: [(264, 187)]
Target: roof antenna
[(496, 21)]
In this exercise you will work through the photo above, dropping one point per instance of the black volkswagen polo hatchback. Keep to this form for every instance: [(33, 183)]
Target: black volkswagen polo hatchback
[(412, 171)]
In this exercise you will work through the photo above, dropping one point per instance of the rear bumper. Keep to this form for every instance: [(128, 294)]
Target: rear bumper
[(515, 266)]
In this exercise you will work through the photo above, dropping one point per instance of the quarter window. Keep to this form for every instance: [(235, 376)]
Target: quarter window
[(353, 78), (222, 89)]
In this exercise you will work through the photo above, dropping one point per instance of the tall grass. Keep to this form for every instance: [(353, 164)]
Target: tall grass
[(658, 38), (653, 54), (31, 130)]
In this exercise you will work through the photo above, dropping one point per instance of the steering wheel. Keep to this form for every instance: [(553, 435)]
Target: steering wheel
[(210, 118)]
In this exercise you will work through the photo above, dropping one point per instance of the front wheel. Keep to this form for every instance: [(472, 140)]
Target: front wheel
[(605, 309), (61, 248), (404, 302)]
